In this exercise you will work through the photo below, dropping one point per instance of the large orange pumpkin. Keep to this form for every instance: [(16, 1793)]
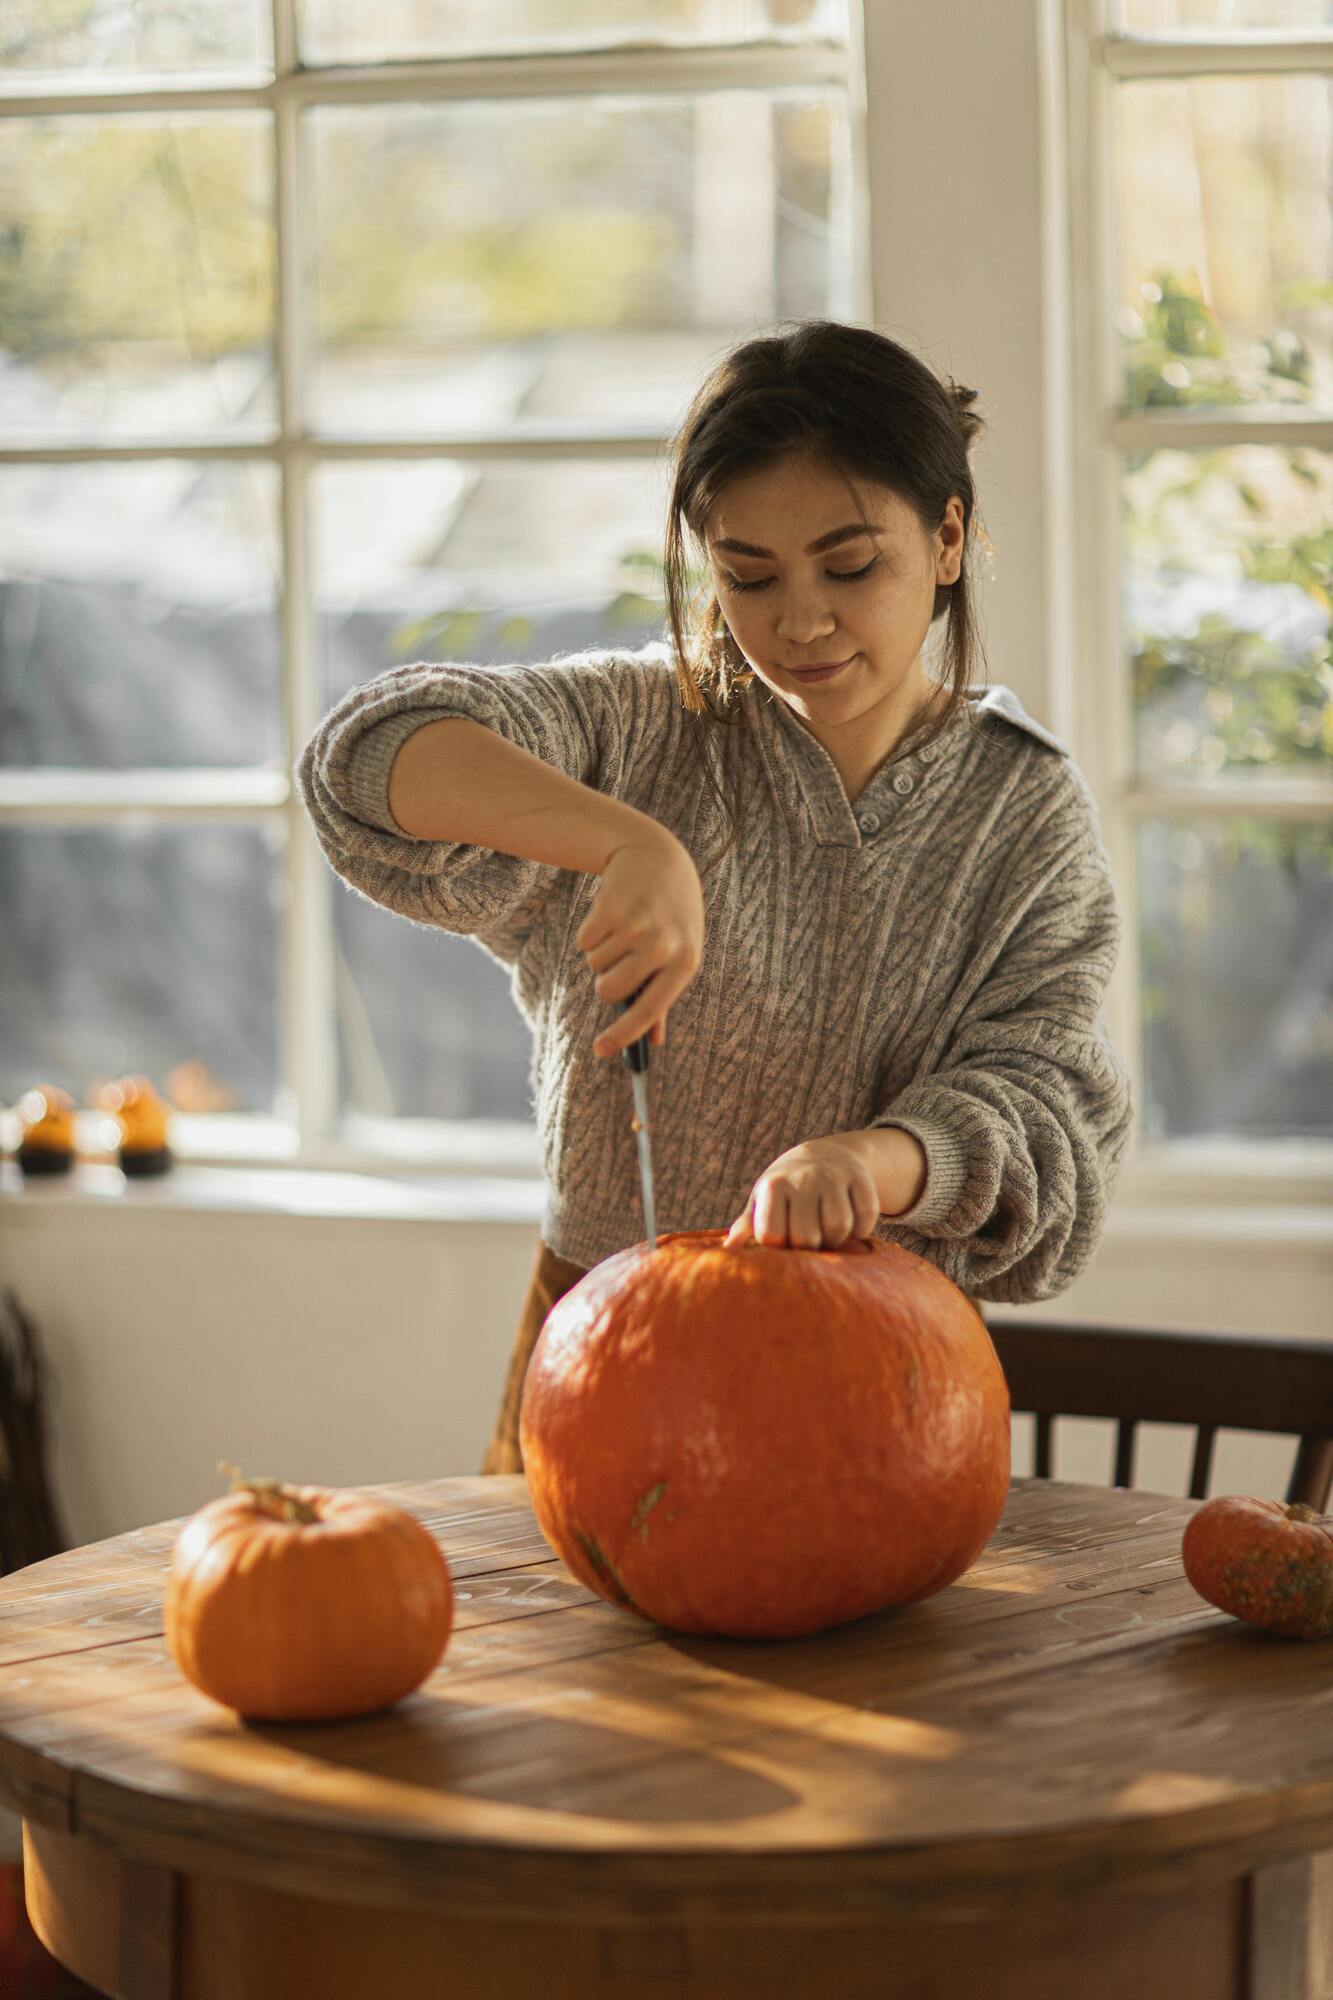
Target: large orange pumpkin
[(305, 1603), (763, 1442)]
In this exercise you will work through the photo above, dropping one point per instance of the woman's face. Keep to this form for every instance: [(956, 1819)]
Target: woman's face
[(866, 600)]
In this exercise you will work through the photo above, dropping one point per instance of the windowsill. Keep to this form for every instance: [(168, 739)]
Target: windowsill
[(490, 1170), (468, 1198), (376, 1146), (329, 1193)]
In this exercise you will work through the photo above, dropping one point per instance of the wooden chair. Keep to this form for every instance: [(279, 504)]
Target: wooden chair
[(1138, 1375)]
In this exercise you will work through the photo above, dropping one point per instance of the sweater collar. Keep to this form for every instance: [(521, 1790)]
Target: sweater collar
[(838, 821)]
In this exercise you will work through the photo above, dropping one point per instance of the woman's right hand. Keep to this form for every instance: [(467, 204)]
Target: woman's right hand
[(646, 923)]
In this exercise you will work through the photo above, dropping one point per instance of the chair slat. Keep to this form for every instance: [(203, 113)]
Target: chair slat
[(1125, 1432), (1044, 1427), (1312, 1474), (1200, 1470)]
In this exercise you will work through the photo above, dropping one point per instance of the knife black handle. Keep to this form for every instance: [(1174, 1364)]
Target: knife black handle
[(636, 1054)]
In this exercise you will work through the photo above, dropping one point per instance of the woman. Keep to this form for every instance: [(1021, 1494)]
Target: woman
[(874, 903)]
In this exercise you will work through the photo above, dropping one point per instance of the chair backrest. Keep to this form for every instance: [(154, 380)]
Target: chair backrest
[(1215, 1381)]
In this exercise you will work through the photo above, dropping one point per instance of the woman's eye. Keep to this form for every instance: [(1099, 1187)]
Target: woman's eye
[(838, 576)]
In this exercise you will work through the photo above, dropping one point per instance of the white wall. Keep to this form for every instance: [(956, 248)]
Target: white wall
[(317, 1350), (955, 121)]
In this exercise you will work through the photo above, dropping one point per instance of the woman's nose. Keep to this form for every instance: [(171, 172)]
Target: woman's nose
[(804, 631), (802, 618), (805, 607)]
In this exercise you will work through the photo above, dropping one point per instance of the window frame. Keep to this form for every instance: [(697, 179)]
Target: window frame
[(1094, 690), (305, 1125)]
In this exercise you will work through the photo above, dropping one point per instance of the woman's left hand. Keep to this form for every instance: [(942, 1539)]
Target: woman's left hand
[(812, 1198)]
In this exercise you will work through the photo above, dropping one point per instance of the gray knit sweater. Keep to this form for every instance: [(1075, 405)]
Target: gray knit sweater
[(933, 956)]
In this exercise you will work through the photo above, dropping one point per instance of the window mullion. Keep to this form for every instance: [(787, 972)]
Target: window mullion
[(1273, 795), (285, 53), (606, 72), (1208, 430), (1235, 52), (1104, 733), (308, 1041)]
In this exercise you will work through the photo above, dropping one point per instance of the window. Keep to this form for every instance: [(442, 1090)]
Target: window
[(306, 369), (1203, 288)]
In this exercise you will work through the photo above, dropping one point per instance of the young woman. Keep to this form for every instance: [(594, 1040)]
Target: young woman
[(873, 901)]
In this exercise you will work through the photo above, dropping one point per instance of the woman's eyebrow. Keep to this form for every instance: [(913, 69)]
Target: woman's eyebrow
[(828, 541)]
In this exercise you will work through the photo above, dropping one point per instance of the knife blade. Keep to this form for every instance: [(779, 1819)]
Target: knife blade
[(636, 1059)]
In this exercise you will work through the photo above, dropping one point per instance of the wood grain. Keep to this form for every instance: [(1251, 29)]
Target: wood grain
[(1069, 1718)]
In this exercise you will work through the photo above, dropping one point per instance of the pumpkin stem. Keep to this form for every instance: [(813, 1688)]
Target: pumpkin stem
[(296, 1511), (1298, 1511)]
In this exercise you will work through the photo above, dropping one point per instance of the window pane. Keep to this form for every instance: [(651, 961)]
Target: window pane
[(436, 559), (1225, 241), (138, 621), (136, 276), (134, 949), (343, 31), (569, 261), (1200, 17), (1226, 603), (427, 1026), (55, 37), (1237, 976)]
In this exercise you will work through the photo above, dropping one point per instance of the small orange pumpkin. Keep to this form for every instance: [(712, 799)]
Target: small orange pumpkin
[(1268, 1562), (304, 1604), (763, 1442)]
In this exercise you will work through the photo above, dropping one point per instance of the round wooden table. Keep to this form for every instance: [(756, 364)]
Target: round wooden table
[(1065, 1775)]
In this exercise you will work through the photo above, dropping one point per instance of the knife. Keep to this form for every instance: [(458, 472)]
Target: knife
[(636, 1056)]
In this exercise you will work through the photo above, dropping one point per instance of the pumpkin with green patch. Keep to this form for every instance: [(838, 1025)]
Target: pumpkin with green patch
[(1268, 1562), (765, 1442)]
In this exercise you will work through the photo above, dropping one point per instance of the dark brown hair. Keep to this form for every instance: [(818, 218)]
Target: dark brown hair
[(859, 405)]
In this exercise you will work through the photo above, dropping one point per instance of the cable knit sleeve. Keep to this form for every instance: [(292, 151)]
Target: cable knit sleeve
[(1025, 1114), (566, 711)]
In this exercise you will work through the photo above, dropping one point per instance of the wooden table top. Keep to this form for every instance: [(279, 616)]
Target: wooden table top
[(1068, 1714)]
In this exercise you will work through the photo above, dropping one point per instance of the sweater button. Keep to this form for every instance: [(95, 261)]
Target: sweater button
[(928, 754), (902, 784), (868, 822)]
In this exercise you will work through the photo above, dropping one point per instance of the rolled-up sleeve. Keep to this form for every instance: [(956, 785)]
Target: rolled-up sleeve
[(1026, 1114), (567, 712)]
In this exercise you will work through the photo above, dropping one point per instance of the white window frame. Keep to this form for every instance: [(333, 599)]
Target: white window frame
[(1157, 1173)]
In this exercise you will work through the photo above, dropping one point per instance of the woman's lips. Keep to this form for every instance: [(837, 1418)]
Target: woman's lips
[(820, 673)]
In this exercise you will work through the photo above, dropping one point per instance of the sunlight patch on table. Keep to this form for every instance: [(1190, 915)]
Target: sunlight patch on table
[(1171, 1791)]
